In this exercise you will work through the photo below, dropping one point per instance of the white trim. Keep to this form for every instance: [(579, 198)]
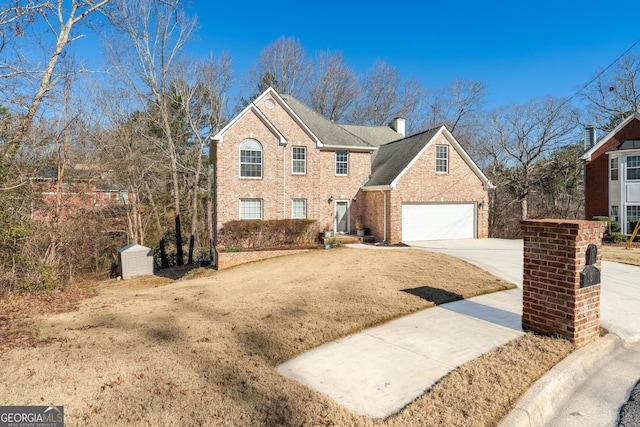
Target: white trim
[(335, 163), (335, 214), (587, 155), (456, 145), (293, 160), (273, 93), (348, 148), (219, 137)]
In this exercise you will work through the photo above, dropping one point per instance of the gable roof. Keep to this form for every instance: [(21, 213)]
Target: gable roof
[(329, 133), (255, 110), (394, 159), (587, 155), (374, 135)]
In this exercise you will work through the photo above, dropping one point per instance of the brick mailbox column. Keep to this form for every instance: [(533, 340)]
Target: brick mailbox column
[(561, 280)]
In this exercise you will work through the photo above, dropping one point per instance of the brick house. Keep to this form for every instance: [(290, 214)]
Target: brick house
[(279, 159), (612, 173)]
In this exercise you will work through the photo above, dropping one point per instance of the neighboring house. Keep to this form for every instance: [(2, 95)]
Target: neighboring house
[(86, 188), (279, 159), (612, 174)]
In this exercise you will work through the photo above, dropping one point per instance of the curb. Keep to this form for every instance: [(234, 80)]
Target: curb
[(547, 394)]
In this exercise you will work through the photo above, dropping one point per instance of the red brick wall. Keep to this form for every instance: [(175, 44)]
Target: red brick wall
[(554, 257), (597, 171), (278, 185)]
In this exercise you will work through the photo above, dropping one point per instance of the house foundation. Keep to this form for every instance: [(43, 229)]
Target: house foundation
[(561, 280)]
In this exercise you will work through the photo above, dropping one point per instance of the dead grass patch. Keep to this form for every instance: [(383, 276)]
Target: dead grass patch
[(203, 352), (620, 253)]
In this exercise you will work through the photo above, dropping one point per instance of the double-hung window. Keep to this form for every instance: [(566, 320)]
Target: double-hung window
[(299, 208), (633, 214), (614, 168), (342, 163), (299, 161), (250, 159), (250, 208), (442, 158), (633, 167)]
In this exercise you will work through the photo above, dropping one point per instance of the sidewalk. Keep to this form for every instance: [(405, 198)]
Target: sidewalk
[(378, 371)]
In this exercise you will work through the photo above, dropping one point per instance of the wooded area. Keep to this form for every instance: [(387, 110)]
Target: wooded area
[(92, 159)]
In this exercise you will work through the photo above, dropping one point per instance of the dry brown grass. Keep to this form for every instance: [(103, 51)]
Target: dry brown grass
[(620, 253), (202, 352)]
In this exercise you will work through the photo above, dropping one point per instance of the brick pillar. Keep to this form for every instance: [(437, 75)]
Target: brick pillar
[(555, 255)]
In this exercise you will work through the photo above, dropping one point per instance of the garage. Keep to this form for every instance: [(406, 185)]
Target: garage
[(438, 221)]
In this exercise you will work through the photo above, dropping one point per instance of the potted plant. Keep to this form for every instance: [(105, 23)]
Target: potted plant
[(360, 228), (327, 230)]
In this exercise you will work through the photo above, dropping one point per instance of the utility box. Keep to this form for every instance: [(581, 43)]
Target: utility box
[(135, 260)]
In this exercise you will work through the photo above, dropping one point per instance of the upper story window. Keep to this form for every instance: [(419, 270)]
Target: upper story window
[(633, 167), (442, 158), (342, 163), (299, 160), (250, 159), (250, 209), (299, 208), (614, 168)]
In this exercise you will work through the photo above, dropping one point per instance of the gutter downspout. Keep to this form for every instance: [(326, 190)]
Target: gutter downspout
[(384, 195)]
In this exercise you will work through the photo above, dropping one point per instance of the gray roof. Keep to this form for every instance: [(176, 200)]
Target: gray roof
[(630, 144), (374, 135), (394, 157), (329, 133)]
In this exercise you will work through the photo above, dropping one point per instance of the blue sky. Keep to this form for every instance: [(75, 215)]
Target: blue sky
[(520, 50)]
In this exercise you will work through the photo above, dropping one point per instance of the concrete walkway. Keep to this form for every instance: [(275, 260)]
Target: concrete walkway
[(378, 371)]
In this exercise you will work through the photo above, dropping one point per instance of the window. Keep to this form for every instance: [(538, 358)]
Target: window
[(250, 209), (442, 158), (342, 163), (633, 167), (299, 208), (614, 169), (299, 160), (250, 159), (613, 214), (633, 214)]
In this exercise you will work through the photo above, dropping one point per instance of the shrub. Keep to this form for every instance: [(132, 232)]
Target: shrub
[(601, 218), (615, 227), (617, 237), (255, 234)]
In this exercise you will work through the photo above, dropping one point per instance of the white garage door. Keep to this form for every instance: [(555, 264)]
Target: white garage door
[(431, 221)]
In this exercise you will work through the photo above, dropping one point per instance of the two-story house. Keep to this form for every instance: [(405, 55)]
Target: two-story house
[(280, 159), (612, 174)]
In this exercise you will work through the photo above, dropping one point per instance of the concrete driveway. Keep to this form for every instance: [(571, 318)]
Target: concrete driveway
[(620, 289)]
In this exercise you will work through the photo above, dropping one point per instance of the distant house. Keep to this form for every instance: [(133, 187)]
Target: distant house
[(280, 159), (612, 174), (85, 188)]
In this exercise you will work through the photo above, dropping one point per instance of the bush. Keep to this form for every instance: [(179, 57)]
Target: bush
[(601, 218), (617, 237), (257, 234), (615, 227)]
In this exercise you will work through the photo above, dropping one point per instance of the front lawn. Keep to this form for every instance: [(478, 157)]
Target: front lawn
[(152, 351)]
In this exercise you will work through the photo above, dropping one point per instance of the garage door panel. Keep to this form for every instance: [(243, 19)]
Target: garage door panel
[(430, 221)]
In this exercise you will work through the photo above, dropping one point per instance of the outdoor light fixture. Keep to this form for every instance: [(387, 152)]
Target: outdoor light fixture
[(330, 199), (354, 199)]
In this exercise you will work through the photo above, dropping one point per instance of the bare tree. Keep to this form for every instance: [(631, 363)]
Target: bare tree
[(615, 93), (284, 65), (520, 138), (201, 92), (150, 35), (335, 87), (384, 96), (60, 19), (455, 106)]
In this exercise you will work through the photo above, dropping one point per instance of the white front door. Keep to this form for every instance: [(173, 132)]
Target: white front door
[(342, 216)]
